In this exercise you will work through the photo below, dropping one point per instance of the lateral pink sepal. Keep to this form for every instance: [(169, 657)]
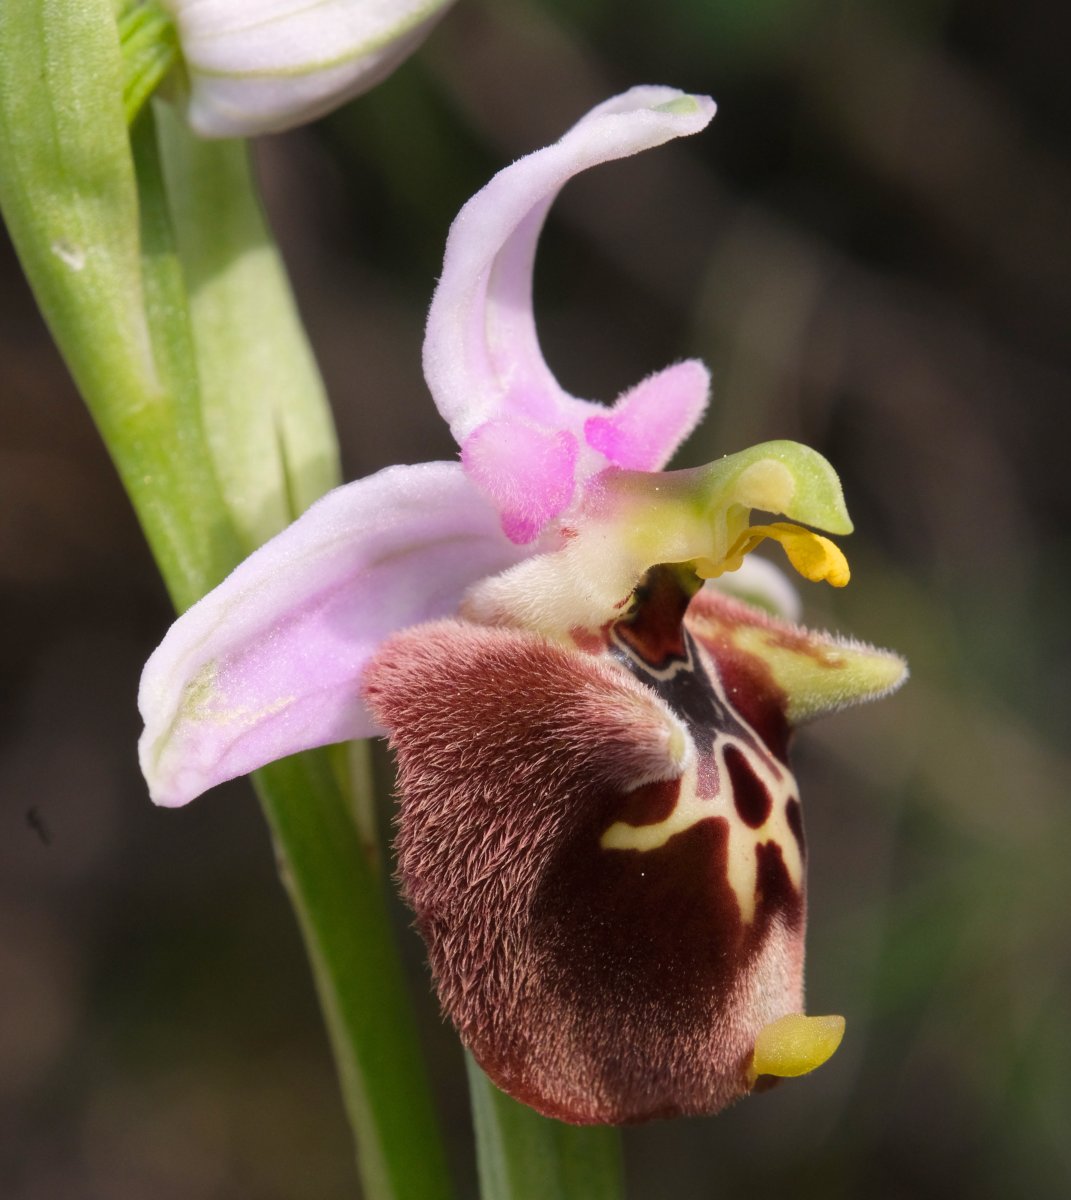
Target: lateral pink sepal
[(270, 662)]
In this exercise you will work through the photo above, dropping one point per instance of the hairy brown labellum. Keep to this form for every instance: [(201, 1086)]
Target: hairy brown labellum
[(603, 850)]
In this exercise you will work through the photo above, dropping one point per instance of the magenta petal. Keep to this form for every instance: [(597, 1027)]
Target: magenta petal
[(527, 472), (270, 662), (651, 420)]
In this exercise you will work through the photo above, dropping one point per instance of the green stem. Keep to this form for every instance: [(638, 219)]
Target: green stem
[(274, 448), (323, 861), (340, 904), (523, 1156)]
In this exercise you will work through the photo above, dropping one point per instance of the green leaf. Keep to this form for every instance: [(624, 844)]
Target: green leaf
[(266, 415), (70, 198), (150, 50)]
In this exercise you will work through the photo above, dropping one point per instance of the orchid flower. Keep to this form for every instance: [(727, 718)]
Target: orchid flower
[(260, 66), (598, 828)]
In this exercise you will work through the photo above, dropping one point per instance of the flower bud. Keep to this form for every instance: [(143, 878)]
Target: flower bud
[(261, 66)]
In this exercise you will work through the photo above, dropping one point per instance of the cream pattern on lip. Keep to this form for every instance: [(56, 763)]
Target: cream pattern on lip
[(731, 776)]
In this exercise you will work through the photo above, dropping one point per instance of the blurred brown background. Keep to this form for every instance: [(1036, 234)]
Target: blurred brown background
[(871, 249)]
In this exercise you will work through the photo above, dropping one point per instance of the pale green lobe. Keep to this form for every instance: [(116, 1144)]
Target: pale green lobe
[(818, 673), (778, 477), (698, 514), (831, 673)]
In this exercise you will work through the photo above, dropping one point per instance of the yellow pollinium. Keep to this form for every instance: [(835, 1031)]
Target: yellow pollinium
[(815, 557), (795, 1044)]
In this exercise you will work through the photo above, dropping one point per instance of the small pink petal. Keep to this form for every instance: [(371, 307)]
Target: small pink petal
[(270, 662), (526, 471), (650, 420)]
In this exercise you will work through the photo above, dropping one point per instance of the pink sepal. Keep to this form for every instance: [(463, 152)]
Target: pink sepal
[(270, 662)]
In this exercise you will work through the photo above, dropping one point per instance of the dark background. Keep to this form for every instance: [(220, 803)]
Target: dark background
[(870, 247)]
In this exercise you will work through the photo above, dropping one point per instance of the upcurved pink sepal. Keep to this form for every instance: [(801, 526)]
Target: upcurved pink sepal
[(482, 358)]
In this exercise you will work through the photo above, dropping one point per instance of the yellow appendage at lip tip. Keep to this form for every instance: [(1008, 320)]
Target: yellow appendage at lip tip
[(815, 557), (795, 1044)]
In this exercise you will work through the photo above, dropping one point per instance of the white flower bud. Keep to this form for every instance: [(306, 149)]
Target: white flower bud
[(260, 66)]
